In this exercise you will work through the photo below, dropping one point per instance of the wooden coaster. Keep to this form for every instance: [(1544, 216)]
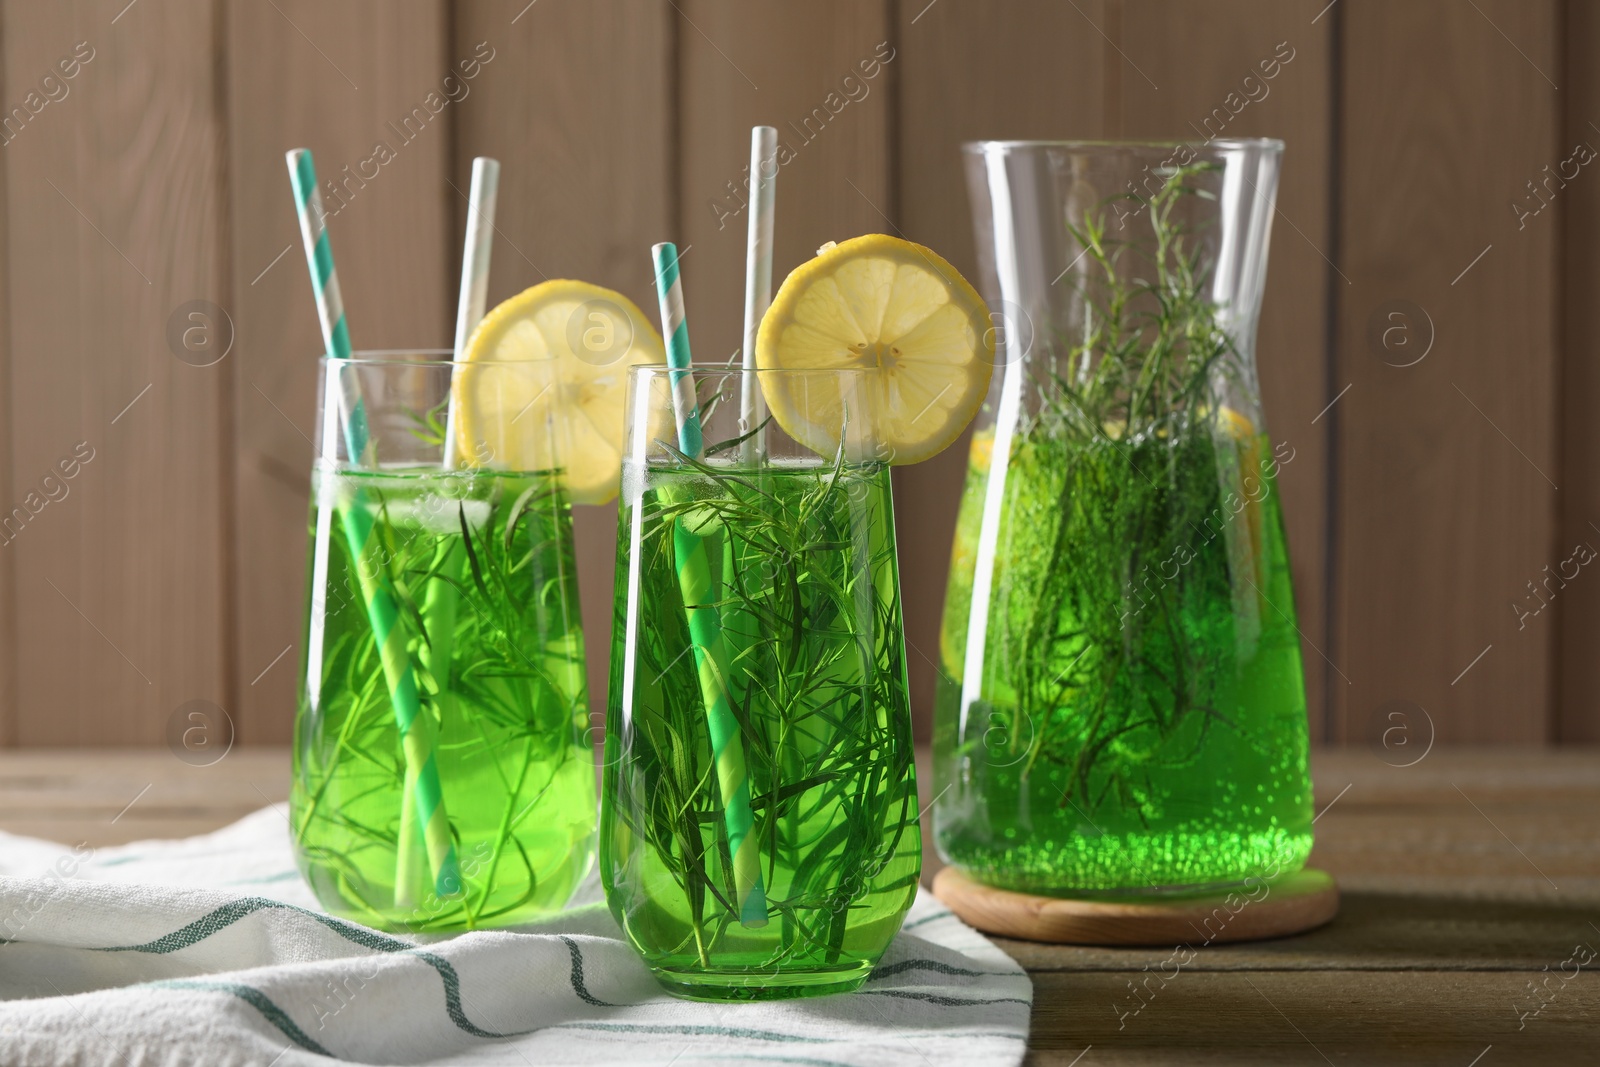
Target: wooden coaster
[(1298, 903)]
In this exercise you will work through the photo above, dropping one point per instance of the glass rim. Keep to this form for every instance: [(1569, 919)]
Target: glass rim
[(644, 369), (420, 357), (1273, 144)]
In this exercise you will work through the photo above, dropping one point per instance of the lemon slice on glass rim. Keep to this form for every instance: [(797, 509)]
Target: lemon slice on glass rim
[(566, 409), (892, 308)]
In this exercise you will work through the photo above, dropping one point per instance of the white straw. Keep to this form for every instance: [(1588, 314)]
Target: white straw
[(757, 275), (474, 276)]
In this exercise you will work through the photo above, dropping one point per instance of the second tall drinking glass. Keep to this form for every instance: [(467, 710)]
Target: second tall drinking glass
[(759, 833)]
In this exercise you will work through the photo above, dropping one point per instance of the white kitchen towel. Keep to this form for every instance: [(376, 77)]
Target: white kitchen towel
[(211, 950)]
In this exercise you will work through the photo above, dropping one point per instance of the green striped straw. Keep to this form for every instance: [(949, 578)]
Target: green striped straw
[(417, 731), (705, 628)]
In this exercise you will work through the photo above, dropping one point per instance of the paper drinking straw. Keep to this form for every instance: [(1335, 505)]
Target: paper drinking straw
[(757, 278), (416, 730), (439, 600), (474, 275), (705, 628)]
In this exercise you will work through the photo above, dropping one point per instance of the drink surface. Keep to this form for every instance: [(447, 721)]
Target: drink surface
[(1140, 718), (480, 565), (802, 560)]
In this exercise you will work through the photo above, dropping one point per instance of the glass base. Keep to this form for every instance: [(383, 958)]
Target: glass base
[(1136, 865), (745, 986), (1129, 893)]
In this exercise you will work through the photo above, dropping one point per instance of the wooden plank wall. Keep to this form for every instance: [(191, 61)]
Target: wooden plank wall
[(8, 573), (1420, 504), (585, 188), (115, 216), (1446, 500), (341, 78), (1578, 665)]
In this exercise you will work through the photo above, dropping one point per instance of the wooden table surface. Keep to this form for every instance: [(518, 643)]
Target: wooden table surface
[(1469, 930)]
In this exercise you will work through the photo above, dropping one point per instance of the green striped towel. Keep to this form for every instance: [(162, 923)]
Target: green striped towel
[(212, 950)]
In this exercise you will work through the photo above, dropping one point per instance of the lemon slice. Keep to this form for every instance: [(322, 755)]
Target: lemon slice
[(895, 308), (567, 409)]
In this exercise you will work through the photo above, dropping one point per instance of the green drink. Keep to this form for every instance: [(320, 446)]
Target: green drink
[(802, 564), (1121, 708), (1142, 718), (479, 565)]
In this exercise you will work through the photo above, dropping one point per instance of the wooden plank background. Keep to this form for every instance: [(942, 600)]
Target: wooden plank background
[(115, 216), (585, 187), (1422, 501), (1577, 677), (1446, 502), (337, 77)]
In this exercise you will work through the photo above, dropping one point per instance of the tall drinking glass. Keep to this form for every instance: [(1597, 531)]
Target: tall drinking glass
[(759, 833), (1122, 706), (441, 778)]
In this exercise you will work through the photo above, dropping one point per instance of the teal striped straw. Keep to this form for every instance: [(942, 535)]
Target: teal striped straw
[(417, 731), (699, 602), (675, 329)]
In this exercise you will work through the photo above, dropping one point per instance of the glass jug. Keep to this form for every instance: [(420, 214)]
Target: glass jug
[(1121, 706)]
